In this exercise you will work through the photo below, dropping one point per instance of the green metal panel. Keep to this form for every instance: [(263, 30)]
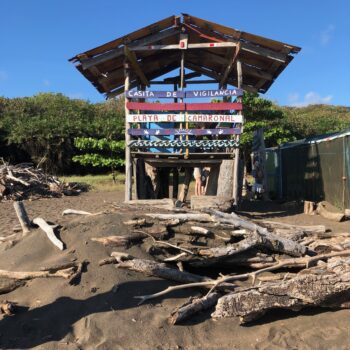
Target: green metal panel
[(318, 171), (272, 172)]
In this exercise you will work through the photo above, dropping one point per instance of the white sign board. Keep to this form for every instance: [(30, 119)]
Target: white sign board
[(191, 118)]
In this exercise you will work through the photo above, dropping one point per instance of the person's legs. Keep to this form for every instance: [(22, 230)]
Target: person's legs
[(197, 177)]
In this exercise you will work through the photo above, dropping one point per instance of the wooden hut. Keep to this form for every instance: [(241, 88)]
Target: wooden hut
[(201, 52)]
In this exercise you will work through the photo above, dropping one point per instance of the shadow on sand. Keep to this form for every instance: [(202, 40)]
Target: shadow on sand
[(52, 322)]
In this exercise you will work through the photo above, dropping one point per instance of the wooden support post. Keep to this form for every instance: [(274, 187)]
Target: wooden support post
[(128, 162), (188, 172), (175, 170), (175, 182), (186, 185), (133, 60), (212, 186), (236, 180), (225, 176)]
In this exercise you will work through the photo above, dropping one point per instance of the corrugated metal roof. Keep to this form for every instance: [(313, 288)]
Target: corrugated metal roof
[(317, 139)]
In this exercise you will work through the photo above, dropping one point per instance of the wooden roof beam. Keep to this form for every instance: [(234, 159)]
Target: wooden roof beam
[(230, 65), (216, 76), (247, 69), (135, 65), (93, 61), (187, 82), (261, 51), (177, 46), (152, 75)]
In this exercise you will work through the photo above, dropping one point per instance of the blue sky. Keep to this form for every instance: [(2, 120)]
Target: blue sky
[(37, 37)]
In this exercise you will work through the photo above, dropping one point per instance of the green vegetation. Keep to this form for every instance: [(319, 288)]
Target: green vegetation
[(99, 183), (315, 119), (70, 136), (42, 128)]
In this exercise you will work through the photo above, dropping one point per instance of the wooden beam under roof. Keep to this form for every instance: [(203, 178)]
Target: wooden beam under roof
[(135, 65), (216, 76), (178, 47), (187, 82), (248, 69), (237, 34), (151, 75), (230, 64), (93, 61), (135, 35), (147, 65)]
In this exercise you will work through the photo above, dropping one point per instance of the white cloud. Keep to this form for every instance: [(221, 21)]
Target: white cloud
[(326, 35), (311, 98), (46, 82), (3, 75)]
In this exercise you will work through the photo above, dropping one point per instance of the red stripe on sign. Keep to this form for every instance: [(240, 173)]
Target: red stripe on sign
[(156, 106), (214, 106)]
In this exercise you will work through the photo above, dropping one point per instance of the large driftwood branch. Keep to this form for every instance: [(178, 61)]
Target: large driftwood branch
[(313, 229), (192, 307), (28, 275), (48, 229), (116, 257), (16, 179), (75, 212), (252, 241), (182, 217), (329, 212), (327, 290), (119, 241), (22, 216), (7, 285), (80, 212), (161, 270), (268, 239), (165, 203), (212, 284)]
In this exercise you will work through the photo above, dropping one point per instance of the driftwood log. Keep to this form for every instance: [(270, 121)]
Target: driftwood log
[(77, 212), (313, 229), (221, 203), (193, 306), (120, 241), (22, 216), (28, 275), (22, 181), (265, 238), (7, 308), (156, 231), (165, 203), (330, 289), (200, 217), (329, 211), (161, 270), (49, 230), (7, 285)]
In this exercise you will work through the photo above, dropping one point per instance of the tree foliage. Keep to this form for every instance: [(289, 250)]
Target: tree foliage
[(43, 128), (100, 152)]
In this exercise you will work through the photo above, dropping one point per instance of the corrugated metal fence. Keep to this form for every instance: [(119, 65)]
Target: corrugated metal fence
[(314, 169)]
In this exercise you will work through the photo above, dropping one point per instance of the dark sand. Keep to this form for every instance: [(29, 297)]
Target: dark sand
[(55, 315)]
